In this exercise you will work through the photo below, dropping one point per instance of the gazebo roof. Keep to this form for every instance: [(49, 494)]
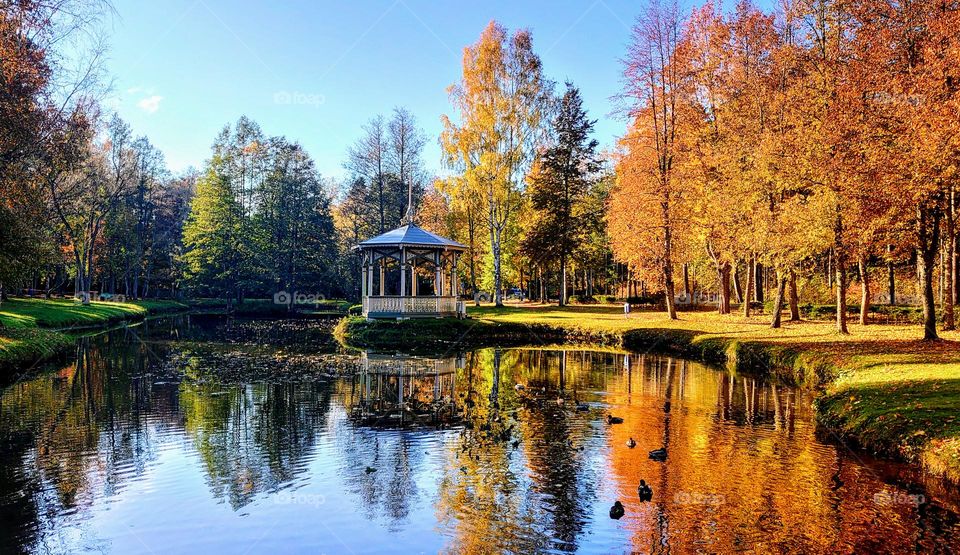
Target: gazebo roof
[(411, 236)]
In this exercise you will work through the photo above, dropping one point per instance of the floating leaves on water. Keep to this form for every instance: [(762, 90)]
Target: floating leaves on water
[(241, 365)]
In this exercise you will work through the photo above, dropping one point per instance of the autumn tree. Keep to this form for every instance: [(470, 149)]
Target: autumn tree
[(907, 57), (467, 226), (653, 85), (433, 213), (50, 77), (85, 192), (501, 101), (355, 220)]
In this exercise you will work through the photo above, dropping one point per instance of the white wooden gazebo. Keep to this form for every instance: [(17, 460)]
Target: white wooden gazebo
[(410, 273)]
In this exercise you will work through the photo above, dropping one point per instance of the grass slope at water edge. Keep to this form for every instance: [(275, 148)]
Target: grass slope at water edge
[(34, 330)]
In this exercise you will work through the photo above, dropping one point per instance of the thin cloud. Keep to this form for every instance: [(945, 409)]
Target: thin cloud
[(150, 104)]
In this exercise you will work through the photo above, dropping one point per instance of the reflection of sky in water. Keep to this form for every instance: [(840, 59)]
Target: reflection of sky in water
[(112, 453)]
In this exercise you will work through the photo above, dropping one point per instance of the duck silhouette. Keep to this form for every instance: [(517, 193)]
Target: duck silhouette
[(611, 419), (658, 455), (644, 491), (631, 443), (616, 511)]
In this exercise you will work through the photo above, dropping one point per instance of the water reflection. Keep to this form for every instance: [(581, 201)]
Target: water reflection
[(131, 449), (405, 391)]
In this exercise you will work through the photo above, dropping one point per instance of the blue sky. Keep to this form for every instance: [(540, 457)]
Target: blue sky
[(315, 71)]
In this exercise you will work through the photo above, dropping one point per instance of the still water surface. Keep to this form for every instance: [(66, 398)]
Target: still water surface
[(195, 435)]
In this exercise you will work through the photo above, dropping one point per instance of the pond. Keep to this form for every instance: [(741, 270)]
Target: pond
[(205, 435)]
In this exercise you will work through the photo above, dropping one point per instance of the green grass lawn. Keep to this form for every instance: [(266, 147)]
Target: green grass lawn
[(885, 389), (62, 313), (29, 327)]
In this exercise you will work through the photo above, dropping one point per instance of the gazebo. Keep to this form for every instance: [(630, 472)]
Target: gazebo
[(410, 273)]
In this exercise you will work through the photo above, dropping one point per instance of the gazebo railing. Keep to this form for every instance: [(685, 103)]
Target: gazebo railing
[(395, 304)]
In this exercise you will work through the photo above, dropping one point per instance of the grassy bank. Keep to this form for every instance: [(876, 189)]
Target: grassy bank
[(33, 330), (880, 386)]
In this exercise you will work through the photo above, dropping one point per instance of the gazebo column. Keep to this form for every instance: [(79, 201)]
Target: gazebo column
[(453, 278), (403, 272), (383, 271), (363, 277), (437, 283), (370, 276), (413, 277)]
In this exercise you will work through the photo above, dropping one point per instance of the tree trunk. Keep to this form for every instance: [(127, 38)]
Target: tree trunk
[(947, 270), (841, 296), (736, 283), (928, 230), (779, 301), (758, 277), (724, 274), (686, 282), (864, 289), (840, 263), (830, 268), (794, 298), (563, 280), (668, 288), (495, 248), (748, 293), (891, 281)]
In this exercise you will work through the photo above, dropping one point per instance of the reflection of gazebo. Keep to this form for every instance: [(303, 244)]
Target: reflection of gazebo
[(399, 391), (409, 272)]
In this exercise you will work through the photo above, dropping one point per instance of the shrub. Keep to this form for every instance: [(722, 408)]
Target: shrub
[(647, 300)]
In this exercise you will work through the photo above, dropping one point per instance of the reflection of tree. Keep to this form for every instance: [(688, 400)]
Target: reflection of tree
[(253, 438), (483, 501), (554, 453), (72, 429), (392, 490), (77, 434), (743, 470)]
